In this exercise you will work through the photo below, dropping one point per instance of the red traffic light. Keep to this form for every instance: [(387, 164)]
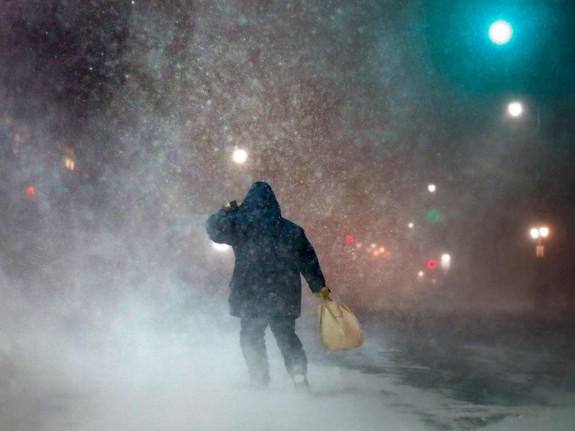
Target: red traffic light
[(431, 264)]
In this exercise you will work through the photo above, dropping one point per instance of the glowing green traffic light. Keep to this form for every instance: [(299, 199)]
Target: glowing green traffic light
[(434, 216), (500, 32)]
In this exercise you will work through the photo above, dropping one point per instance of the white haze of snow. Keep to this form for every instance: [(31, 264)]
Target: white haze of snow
[(127, 372), (128, 375)]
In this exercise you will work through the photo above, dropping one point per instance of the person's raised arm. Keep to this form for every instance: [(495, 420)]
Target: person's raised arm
[(221, 226)]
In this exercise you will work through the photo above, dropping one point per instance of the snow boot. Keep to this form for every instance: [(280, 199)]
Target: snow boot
[(300, 380)]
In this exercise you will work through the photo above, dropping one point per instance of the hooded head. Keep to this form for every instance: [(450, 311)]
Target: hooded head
[(260, 196)]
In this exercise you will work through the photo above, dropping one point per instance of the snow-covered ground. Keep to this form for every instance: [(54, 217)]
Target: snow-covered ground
[(133, 373)]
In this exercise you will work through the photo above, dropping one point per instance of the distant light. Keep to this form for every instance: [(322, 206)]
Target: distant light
[(500, 32), (31, 192), (434, 215), (220, 247), (410, 225), (445, 261), (420, 274), (349, 239), (431, 188), (431, 264), (69, 163), (240, 156), (515, 109), (539, 232), (382, 249)]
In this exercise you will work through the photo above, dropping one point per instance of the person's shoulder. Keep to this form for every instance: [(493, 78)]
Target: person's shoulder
[(292, 228)]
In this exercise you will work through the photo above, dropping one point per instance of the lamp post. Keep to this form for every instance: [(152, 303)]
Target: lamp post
[(516, 110), (539, 233)]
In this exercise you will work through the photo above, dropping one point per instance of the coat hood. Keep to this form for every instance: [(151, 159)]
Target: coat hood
[(260, 196)]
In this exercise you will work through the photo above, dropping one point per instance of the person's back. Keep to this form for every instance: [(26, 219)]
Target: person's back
[(271, 252)]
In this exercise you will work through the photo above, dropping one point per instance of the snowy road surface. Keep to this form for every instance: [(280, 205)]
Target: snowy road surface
[(411, 374)]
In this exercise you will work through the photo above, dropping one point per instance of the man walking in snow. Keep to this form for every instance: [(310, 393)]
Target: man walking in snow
[(271, 252)]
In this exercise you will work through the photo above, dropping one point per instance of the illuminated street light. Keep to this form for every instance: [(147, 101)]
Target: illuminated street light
[(538, 233), (239, 156), (500, 32), (431, 188), (515, 109), (445, 261), (69, 163)]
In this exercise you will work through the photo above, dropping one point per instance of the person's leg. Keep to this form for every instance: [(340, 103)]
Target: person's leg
[(291, 347), (252, 341)]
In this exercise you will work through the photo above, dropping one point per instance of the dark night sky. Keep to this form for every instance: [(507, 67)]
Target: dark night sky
[(349, 109)]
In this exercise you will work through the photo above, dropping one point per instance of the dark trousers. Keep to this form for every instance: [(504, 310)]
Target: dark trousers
[(252, 341)]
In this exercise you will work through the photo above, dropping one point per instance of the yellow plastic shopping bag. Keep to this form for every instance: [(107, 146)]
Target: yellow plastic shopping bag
[(338, 328)]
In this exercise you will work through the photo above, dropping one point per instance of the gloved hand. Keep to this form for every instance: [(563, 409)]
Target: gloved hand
[(323, 293), (233, 205)]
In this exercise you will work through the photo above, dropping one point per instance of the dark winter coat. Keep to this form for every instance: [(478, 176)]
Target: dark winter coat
[(271, 252)]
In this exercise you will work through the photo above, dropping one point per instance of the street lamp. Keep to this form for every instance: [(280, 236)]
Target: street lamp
[(240, 156), (539, 233), (515, 109), (445, 261), (500, 32)]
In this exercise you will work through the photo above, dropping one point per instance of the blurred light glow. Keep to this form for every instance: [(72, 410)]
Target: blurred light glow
[(240, 156), (445, 261), (500, 32), (69, 163), (539, 232), (410, 225), (420, 274), (434, 215), (431, 188), (220, 247), (31, 192), (515, 109)]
